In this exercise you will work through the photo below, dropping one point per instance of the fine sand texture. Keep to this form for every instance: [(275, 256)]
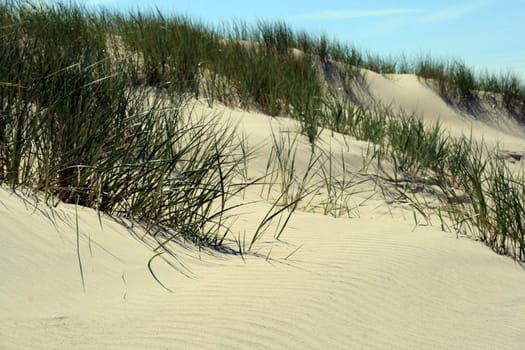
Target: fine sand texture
[(72, 278)]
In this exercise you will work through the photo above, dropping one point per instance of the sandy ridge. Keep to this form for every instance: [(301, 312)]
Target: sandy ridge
[(375, 281)]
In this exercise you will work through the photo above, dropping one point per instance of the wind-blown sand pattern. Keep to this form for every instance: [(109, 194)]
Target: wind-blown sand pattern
[(377, 281)]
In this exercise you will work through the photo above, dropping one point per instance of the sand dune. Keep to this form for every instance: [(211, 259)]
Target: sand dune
[(411, 94), (376, 281)]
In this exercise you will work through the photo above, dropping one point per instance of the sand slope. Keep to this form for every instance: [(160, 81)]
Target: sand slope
[(413, 95), (352, 284), (375, 281)]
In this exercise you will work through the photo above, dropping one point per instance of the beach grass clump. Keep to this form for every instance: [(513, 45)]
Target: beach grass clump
[(277, 37), (337, 114), (509, 87), (506, 234), (369, 123), (73, 128), (266, 73), (185, 55), (513, 91), (477, 191), (170, 49), (470, 178), (460, 84), (455, 81), (366, 123), (380, 64), (463, 81), (57, 99), (415, 147), (484, 198), (71, 30)]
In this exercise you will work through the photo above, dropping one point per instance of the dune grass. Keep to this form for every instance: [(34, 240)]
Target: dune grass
[(476, 190), (91, 112), (75, 126), (457, 82), (489, 198), (186, 56), (259, 65), (415, 147)]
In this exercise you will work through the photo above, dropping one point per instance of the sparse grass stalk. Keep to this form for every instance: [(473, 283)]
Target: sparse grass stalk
[(338, 188)]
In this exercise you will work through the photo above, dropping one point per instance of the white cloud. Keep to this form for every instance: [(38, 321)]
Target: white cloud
[(451, 13), (348, 14)]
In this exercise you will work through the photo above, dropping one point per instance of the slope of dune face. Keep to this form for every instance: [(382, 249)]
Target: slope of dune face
[(484, 117), (413, 95), (353, 283), (373, 281)]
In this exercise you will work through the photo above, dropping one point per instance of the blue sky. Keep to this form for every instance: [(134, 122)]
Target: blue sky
[(484, 33)]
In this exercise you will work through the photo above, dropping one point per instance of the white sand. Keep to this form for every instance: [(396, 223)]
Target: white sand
[(373, 282), (409, 93)]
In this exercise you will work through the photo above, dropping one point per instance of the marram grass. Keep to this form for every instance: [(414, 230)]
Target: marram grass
[(91, 113)]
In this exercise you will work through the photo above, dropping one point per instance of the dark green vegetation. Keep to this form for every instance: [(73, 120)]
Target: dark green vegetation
[(73, 127), (91, 112), (227, 66)]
